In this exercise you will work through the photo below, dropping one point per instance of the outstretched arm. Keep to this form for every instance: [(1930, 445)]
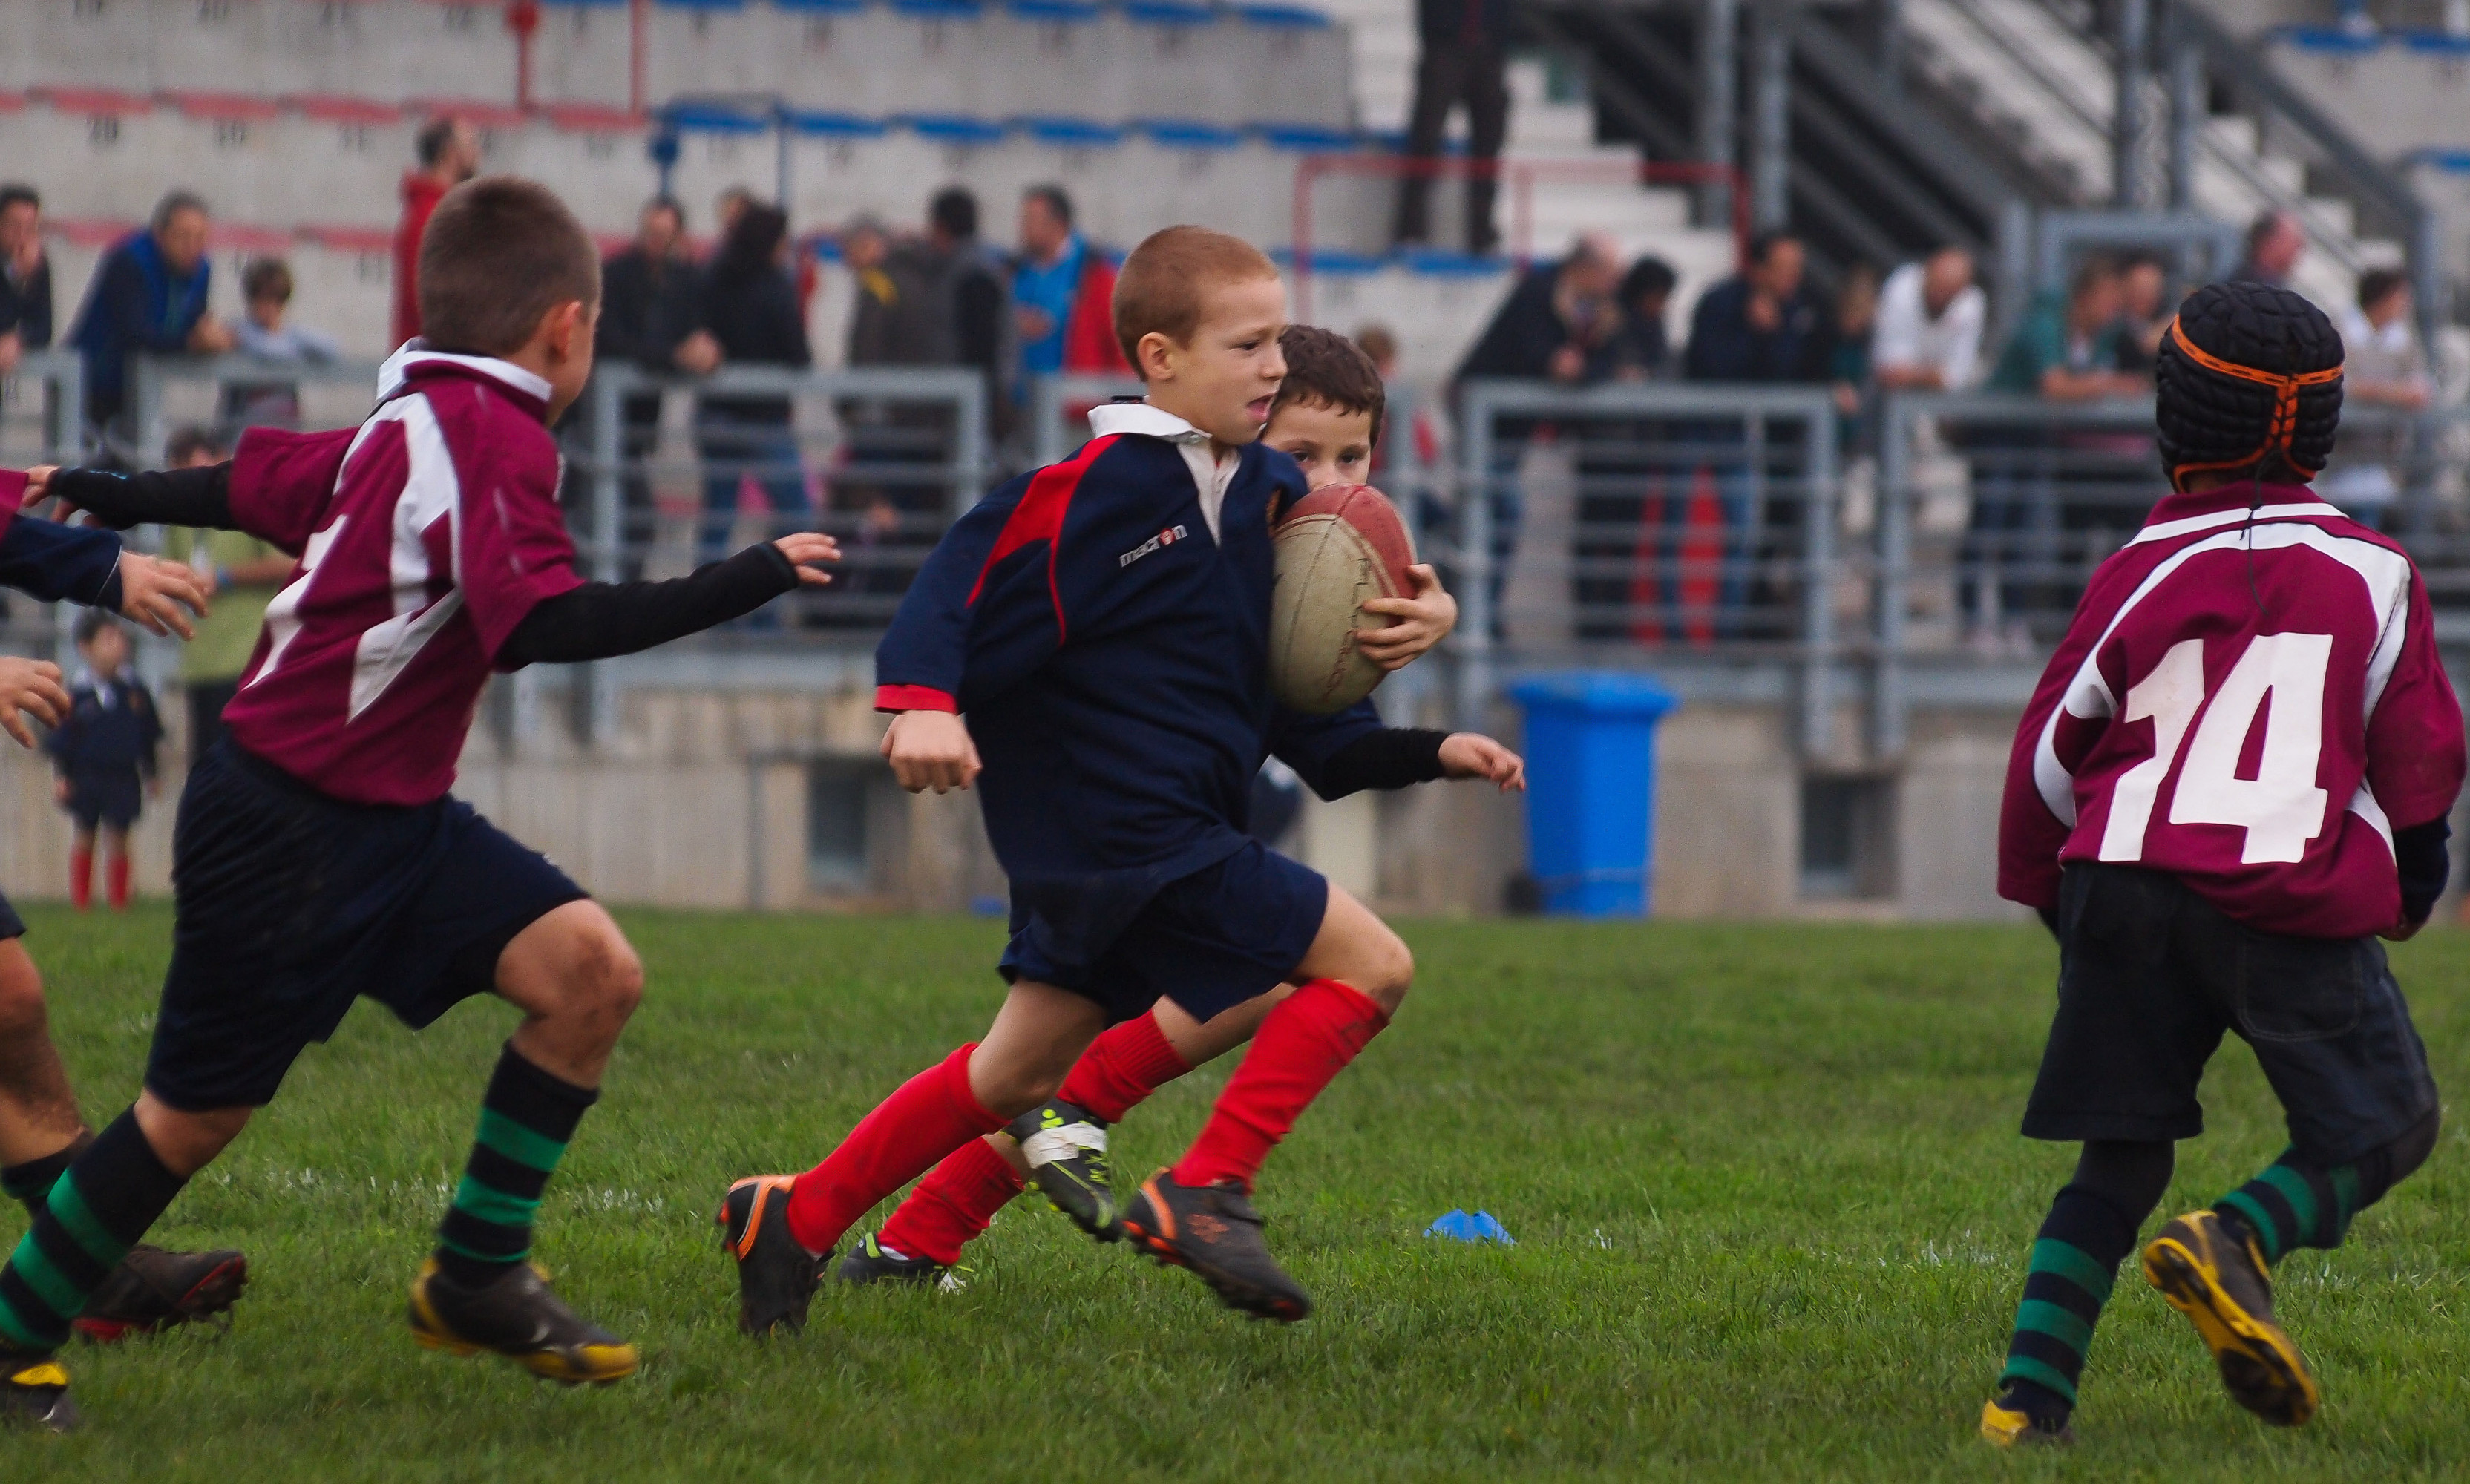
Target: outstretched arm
[(601, 621), (168, 497)]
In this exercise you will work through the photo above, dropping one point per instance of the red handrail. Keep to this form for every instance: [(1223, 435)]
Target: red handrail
[(1521, 174)]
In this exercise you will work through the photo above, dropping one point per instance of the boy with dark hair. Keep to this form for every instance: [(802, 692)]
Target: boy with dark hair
[(2234, 776), (318, 855), (103, 752), (1325, 417), (1123, 704)]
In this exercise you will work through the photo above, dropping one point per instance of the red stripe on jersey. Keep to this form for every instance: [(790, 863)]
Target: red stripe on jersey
[(1039, 517), (913, 697)]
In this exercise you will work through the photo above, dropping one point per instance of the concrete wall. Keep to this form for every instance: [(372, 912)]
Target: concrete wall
[(699, 798)]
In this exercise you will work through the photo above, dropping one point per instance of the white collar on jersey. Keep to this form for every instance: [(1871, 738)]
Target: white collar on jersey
[(398, 369), (2185, 526), (1139, 417)]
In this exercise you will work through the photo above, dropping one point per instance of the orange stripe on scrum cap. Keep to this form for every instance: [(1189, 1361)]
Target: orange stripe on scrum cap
[(2286, 386)]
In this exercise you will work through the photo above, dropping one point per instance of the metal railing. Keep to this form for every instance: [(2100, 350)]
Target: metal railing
[(1633, 519)]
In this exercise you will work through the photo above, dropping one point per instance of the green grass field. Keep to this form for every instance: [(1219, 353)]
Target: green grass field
[(1770, 1201)]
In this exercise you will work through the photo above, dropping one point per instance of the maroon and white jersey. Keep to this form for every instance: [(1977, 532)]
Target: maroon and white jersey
[(2253, 706), (424, 538)]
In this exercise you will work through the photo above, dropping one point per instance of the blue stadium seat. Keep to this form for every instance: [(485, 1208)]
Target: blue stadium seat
[(835, 126), (1310, 138), (1071, 134), (1170, 13), (952, 128), (1190, 133)]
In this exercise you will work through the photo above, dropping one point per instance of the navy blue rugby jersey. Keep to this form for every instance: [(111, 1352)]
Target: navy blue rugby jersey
[(1111, 657)]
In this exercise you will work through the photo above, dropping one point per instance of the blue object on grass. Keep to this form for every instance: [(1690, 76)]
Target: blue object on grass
[(1482, 1226), (1591, 788)]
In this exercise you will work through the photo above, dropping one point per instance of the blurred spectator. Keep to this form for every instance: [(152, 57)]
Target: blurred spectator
[(25, 276), (1464, 58), (1643, 350), (1930, 317), (2069, 349), (979, 299), (1760, 324), (449, 151), (265, 292), (1063, 293), (149, 295), (1558, 324), (242, 573), (728, 206), (1856, 320), (2034, 484), (750, 312), (2383, 368), (650, 299), (2274, 243), (2144, 315)]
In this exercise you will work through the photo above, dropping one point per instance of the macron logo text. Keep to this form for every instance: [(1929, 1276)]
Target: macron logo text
[(1165, 538)]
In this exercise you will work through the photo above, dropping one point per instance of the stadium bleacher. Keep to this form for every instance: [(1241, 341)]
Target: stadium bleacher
[(296, 119)]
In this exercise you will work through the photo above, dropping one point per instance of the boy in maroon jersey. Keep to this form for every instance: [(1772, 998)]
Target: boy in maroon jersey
[(2233, 778), (319, 856)]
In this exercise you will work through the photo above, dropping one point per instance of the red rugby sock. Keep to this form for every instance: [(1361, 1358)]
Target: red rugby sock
[(119, 879), (80, 879), (1122, 1068), (952, 1205), (1306, 1041), (931, 1115)]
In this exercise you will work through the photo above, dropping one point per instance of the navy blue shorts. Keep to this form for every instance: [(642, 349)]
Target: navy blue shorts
[(102, 801), (1208, 942), (290, 904)]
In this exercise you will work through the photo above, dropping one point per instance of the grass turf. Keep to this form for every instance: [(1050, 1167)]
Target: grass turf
[(1770, 1206)]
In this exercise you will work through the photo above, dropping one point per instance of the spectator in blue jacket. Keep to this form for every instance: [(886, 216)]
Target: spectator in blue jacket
[(104, 755), (1760, 325), (149, 295)]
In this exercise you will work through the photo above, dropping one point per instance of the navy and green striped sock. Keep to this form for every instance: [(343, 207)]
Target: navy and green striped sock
[(2075, 1261), (94, 1215), (30, 1183), (2294, 1204), (525, 1121)]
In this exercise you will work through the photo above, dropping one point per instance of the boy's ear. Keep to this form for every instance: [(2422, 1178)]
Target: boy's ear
[(562, 325), (1156, 360)]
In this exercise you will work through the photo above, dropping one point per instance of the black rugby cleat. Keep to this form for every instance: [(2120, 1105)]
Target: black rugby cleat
[(1214, 1231)]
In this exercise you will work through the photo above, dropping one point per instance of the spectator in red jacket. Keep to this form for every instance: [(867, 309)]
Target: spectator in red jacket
[(450, 155)]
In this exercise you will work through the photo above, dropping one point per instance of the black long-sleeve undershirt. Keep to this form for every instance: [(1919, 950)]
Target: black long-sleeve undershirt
[(162, 496), (1393, 757), (601, 620), (2425, 865)]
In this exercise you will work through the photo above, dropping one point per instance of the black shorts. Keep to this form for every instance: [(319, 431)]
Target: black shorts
[(2150, 976), (1208, 942), (290, 905)]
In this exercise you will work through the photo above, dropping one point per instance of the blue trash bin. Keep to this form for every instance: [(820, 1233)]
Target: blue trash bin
[(1591, 788)]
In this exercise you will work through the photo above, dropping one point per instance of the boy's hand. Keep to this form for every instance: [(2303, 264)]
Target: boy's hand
[(1423, 622), (1471, 754), (152, 592), (39, 480), (803, 547), (931, 749), (32, 686)]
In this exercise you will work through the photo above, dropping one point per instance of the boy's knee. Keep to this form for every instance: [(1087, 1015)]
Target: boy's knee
[(1389, 972), (1012, 1091), (608, 978), (22, 1014)]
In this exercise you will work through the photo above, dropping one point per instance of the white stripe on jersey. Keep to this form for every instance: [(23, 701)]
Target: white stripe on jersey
[(2386, 573), (2190, 524), (430, 491)]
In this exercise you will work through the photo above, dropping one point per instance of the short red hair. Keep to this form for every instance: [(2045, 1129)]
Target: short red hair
[(1160, 288)]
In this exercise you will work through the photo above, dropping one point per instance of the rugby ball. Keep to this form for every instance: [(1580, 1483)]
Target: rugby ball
[(1341, 546)]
